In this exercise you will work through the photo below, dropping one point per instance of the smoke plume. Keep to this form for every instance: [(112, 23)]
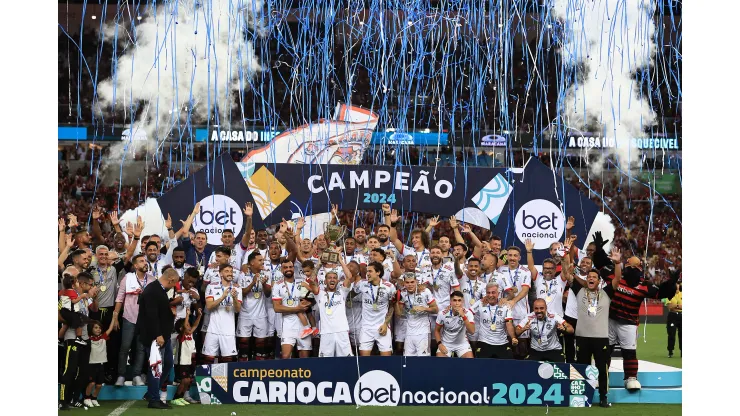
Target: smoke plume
[(610, 40)]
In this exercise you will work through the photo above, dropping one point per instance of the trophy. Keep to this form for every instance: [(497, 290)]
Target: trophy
[(332, 233)]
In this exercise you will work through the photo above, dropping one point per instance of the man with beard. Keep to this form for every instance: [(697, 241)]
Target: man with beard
[(453, 324), (156, 262), (361, 240), (256, 288), (105, 280), (352, 254), (495, 325), (222, 255), (305, 247), (459, 251), (377, 310), (520, 280), (261, 247), (330, 302), (178, 262), (571, 308), (473, 290), (391, 268), (415, 305), (129, 290), (197, 252), (489, 272), (81, 260), (419, 240), (399, 321), (119, 247), (543, 329), (442, 278), (592, 332), (384, 232), (286, 301), (237, 250), (547, 286), (224, 300)]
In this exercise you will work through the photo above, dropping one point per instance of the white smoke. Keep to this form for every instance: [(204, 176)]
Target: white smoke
[(184, 63), (613, 38)]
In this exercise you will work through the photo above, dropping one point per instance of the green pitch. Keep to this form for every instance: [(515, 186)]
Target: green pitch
[(656, 347)]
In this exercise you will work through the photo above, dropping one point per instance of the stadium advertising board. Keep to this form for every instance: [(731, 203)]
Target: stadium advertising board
[(397, 381), (215, 135), (410, 139), (577, 140)]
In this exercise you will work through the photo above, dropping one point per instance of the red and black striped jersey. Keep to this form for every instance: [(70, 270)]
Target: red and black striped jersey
[(627, 300)]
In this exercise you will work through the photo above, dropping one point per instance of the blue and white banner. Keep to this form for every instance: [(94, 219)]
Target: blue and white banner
[(410, 139), (397, 381)]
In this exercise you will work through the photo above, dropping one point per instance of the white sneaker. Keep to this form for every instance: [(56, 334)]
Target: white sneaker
[(138, 381), (120, 381), (632, 384), (95, 403), (88, 403), (163, 396)]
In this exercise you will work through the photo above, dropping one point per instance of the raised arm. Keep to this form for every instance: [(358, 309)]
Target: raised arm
[(290, 244), (185, 229), (137, 229), (529, 245), (455, 230), (616, 257), (248, 211), (467, 229), (433, 222), (65, 251), (115, 221), (96, 232), (394, 233), (334, 214), (62, 234)]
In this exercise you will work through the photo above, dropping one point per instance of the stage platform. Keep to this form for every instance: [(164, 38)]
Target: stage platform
[(661, 384)]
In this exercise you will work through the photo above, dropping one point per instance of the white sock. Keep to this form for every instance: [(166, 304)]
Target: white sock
[(163, 396), (187, 395)]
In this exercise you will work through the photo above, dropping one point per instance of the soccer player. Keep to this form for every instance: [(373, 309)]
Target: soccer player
[(178, 261), (419, 240), (330, 302), (351, 254), (452, 325), (224, 300), (415, 303), (571, 310), (473, 289), (377, 310), (495, 324), (256, 288), (399, 320), (273, 270), (543, 329), (353, 308), (442, 278), (287, 302), (361, 240), (520, 279), (592, 332), (237, 251), (546, 284), (383, 233)]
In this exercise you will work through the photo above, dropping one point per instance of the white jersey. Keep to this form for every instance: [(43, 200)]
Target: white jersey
[(453, 327), (387, 269), (520, 278), (496, 276), (353, 310), (375, 301), (472, 290), (423, 260), (274, 275), (212, 277), (223, 320), (571, 304), (288, 293), (390, 251), (358, 257), (187, 301), (442, 282), (552, 292), (253, 306), (332, 311), (417, 323), (543, 334), (489, 315), (235, 260)]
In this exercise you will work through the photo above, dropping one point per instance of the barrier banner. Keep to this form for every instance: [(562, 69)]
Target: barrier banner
[(398, 381)]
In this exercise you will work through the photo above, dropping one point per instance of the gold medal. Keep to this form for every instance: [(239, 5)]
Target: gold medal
[(592, 310), (493, 327), (103, 288), (436, 288), (472, 301), (290, 302), (375, 306), (228, 309), (257, 295), (329, 311), (548, 299)]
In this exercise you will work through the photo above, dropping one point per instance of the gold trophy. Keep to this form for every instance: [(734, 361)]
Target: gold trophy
[(332, 233)]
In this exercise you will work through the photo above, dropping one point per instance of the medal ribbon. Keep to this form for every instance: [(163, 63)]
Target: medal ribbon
[(515, 279), (373, 297), (540, 330), (493, 316), (331, 300)]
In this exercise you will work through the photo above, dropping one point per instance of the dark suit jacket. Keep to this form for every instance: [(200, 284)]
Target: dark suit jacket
[(155, 316)]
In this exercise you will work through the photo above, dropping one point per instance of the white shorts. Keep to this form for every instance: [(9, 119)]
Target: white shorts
[(335, 345), (458, 349), (302, 344), (354, 335), (623, 335), (368, 336), (251, 327), (399, 329), (216, 345), (416, 346)]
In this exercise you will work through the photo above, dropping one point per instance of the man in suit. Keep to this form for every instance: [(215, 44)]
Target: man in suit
[(155, 324)]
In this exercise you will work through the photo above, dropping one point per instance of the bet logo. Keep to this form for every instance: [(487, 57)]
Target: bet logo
[(218, 212), (541, 221), (377, 388)]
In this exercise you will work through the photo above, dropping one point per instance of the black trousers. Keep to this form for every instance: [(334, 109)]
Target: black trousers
[(598, 348), (113, 345), (553, 356), (569, 341), (673, 325), (484, 350), (75, 376)]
